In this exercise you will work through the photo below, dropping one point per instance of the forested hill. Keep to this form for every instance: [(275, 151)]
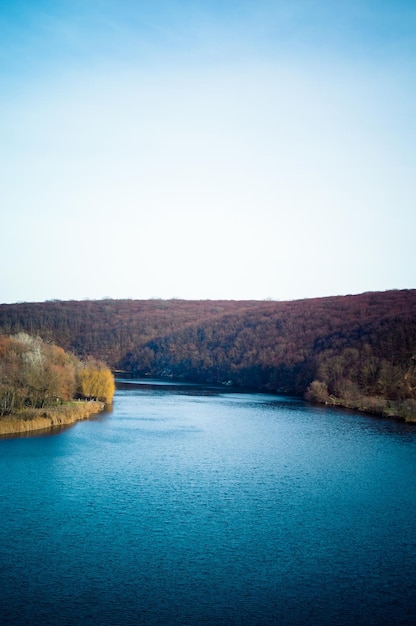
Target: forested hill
[(344, 349)]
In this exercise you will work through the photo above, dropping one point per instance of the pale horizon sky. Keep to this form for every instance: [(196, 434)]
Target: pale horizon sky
[(206, 149)]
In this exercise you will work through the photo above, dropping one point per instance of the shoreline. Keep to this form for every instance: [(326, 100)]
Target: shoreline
[(31, 420), (375, 407)]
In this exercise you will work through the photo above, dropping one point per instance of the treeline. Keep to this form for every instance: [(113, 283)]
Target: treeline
[(374, 369), (37, 374), (358, 351), (355, 350), (109, 329)]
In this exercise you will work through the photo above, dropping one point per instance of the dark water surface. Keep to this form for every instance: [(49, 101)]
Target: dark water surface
[(189, 506)]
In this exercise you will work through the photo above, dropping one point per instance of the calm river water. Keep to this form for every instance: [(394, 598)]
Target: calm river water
[(189, 506)]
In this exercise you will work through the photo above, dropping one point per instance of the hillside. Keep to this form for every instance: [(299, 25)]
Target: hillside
[(357, 350), (109, 329)]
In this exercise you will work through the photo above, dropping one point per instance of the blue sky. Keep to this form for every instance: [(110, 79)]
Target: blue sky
[(206, 149)]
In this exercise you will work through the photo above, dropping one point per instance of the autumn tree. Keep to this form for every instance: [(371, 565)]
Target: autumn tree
[(12, 384), (95, 381), (37, 374)]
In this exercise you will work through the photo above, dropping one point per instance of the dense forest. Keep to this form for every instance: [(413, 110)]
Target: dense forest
[(357, 350)]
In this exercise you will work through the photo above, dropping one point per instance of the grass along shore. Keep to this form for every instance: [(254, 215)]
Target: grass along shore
[(404, 410), (29, 419)]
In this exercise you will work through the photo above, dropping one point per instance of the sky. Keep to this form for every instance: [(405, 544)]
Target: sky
[(206, 149)]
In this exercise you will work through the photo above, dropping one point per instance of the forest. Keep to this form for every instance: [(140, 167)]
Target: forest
[(357, 351), (35, 374)]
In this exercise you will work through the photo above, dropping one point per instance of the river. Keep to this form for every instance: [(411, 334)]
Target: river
[(192, 505)]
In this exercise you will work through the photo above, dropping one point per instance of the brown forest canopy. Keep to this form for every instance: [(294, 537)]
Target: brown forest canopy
[(344, 345)]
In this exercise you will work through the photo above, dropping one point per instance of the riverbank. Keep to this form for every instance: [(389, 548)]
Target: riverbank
[(29, 420), (381, 407)]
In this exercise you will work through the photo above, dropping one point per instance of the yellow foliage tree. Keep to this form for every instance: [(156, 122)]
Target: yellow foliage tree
[(95, 381)]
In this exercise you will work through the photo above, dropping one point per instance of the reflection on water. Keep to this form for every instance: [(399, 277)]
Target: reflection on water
[(155, 384)]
